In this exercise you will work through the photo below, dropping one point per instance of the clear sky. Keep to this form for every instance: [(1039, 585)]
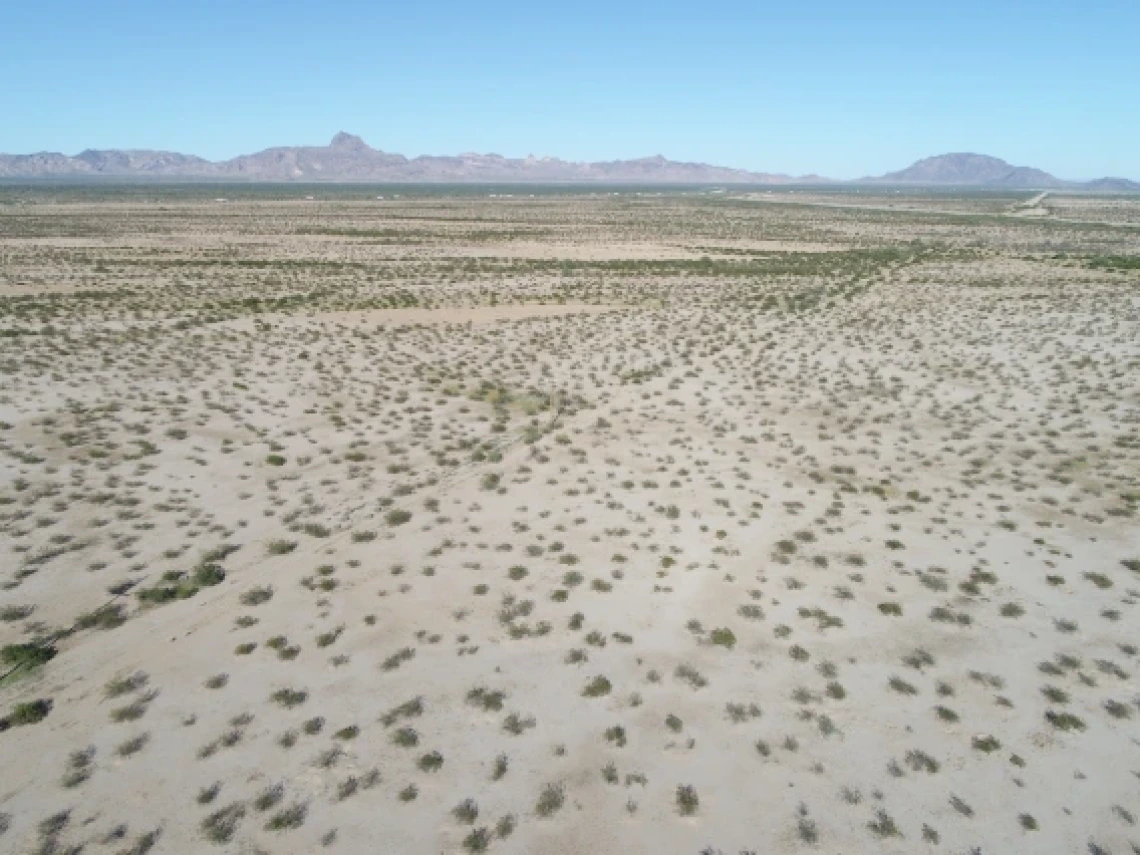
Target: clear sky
[(828, 86)]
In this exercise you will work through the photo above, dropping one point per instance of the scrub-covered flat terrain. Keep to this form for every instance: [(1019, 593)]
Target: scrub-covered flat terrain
[(573, 522)]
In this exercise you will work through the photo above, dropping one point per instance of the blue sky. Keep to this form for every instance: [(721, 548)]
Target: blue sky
[(839, 88)]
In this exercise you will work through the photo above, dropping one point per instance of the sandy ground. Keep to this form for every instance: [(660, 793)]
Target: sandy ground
[(349, 547), (462, 315)]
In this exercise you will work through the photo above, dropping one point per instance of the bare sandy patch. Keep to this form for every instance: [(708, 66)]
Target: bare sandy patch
[(470, 315)]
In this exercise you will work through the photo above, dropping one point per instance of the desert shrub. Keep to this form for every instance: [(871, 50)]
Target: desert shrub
[(288, 818), (289, 697), (29, 712), (883, 825), (467, 811), (269, 797), (501, 765), (550, 800), (985, 743), (723, 637), (107, 617), (597, 687), (430, 762), (118, 686), (505, 826), (489, 700), (27, 655), (220, 826), (207, 575), (691, 676), (1064, 720), (688, 802), (14, 613), (257, 595), (477, 841)]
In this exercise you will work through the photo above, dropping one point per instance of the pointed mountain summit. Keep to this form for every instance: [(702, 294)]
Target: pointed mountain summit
[(348, 142)]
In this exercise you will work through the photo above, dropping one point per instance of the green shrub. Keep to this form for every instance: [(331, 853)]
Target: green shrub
[(208, 574), (257, 595), (688, 802), (723, 636), (27, 655), (1064, 720), (160, 594), (396, 516), (597, 687), (31, 712), (219, 827), (107, 617), (550, 801), (290, 697), (430, 762)]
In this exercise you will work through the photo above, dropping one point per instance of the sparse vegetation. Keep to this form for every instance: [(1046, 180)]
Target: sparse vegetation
[(566, 487)]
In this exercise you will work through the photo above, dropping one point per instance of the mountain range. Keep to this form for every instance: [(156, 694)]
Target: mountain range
[(347, 158)]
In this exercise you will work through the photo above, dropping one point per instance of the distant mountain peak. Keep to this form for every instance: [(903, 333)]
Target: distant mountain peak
[(1113, 185), (348, 142), (965, 157), (970, 169)]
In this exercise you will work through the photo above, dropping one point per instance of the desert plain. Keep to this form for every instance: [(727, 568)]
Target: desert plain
[(568, 520)]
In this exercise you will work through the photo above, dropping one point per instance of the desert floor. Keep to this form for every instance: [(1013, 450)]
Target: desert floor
[(574, 522)]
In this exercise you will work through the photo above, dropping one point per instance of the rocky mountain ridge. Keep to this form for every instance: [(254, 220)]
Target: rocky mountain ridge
[(348, 158)]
